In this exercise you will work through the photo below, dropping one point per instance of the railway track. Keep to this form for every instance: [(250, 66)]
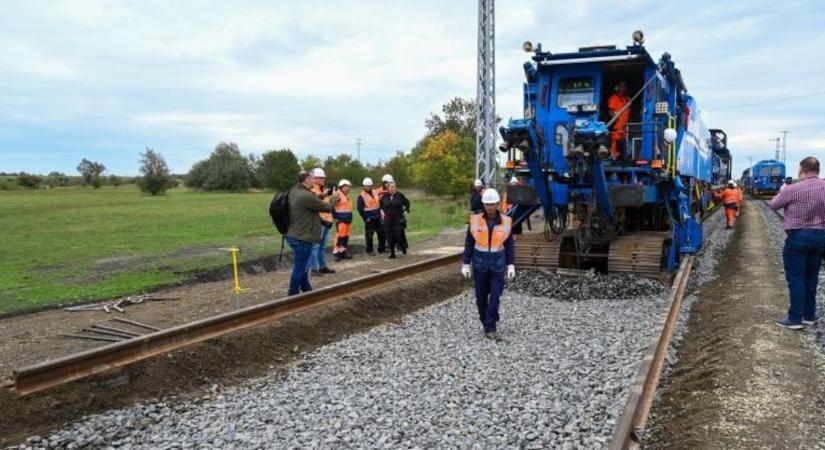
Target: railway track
[(53, 373), (629, 430)]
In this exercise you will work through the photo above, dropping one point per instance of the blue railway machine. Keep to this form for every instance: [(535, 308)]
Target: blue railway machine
[(764, 179), (636, 213)]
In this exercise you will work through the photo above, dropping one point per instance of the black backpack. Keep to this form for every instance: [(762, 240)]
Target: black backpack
[(279, 211)]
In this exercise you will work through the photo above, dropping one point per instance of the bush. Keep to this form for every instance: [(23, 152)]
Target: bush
[(7, 184), (225, 170), (277, 169), (57, 179), (115, 180), (28, 181), (91, 172), (156, 178)]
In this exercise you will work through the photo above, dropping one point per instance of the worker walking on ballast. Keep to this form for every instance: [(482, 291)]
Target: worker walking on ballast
[(490, 250), (731, 199)]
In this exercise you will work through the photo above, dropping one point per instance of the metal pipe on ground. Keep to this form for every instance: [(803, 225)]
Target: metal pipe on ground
[(135, 323)]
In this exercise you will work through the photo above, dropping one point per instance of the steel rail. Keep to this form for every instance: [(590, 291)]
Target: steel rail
[(77, 366), (631, 425)]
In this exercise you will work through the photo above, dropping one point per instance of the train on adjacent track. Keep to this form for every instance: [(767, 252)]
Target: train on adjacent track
[(638, 213), (764, 179)]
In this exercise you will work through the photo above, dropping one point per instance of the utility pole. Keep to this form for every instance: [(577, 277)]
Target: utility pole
[(358, 143), (784, 144), (486, 167)]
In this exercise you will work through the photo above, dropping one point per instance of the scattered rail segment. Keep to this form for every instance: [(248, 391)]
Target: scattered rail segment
[(53, 373)]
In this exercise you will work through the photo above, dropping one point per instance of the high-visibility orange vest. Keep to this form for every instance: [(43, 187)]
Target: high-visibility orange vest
[(343, 204), (730, 196), (480, 233), (324, 215), (371, 200)]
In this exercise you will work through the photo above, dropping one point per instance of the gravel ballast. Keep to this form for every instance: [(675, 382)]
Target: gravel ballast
[(559, 380)]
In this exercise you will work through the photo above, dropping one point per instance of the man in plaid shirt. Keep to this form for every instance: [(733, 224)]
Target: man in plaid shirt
[(804, 204)]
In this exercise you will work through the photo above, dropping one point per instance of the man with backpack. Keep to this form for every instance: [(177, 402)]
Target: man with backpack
[(304, 228)]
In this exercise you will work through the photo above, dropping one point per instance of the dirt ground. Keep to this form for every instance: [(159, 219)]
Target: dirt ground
[(32, 338), (742, 381)]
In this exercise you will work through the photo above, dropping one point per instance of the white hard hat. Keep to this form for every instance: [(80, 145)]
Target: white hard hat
[(319, 173), (344, 182), (387, 178), (490, 196), (478, 183), (731, 183), (367, 182), (514, 180)]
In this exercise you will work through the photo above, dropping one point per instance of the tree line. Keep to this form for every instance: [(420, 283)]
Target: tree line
[(442, 162)]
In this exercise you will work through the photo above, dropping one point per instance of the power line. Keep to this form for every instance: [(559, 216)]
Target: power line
[(775, 100)]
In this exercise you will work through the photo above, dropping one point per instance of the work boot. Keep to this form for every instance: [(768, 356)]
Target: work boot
[(316, 273), (326, 269), (337, 257)]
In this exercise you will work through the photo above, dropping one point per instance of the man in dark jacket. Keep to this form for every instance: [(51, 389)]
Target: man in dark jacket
[(475, 197), (393, 207), (304, 230), (369, 207)]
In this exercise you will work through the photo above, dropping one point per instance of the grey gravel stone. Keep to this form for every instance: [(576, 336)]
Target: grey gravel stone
[(560, 380)]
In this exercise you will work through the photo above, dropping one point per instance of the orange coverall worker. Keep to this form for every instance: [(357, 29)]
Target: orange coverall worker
[(730, 198), (342, 213), (615, 103)]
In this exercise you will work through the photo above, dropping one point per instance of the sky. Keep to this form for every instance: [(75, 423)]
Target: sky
[(104, 79)]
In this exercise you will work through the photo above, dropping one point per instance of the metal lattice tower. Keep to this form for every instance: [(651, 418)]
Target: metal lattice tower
[(784, 144), (486, 167)]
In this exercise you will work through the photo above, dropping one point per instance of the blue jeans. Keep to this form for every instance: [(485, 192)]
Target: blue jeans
[(299, 280), (488, 285), (316, 259), (802, 257)]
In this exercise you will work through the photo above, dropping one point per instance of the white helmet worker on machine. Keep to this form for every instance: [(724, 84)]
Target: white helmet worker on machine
[(489, 255), (476, 206)]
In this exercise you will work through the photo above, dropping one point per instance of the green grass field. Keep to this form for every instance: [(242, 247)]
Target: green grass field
[(74, 244)]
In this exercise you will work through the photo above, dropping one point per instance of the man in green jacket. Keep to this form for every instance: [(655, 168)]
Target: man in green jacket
[(304, 229)]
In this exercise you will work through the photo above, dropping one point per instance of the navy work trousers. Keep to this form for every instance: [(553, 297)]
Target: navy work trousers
[(489, 286), (802, 257), (299, 280)]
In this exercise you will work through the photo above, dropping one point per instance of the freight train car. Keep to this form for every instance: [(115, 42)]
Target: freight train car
[(638, 212)]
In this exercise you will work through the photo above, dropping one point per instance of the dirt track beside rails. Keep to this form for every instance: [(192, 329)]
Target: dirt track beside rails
[(742, 381), (33, 338)]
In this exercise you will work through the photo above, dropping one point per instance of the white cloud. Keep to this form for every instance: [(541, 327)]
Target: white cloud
[(314, 76)]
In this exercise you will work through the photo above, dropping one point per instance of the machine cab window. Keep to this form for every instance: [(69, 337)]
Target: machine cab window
[(575, 91)]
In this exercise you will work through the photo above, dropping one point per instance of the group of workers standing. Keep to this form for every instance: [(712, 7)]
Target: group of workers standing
[(315, 209)]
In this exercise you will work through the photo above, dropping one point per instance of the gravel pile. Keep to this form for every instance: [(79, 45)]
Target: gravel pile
[(778, 239), (589, 287), (559, 380)]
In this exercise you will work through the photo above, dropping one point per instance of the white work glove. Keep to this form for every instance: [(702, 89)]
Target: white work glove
[(511, 272), (465, 270)]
